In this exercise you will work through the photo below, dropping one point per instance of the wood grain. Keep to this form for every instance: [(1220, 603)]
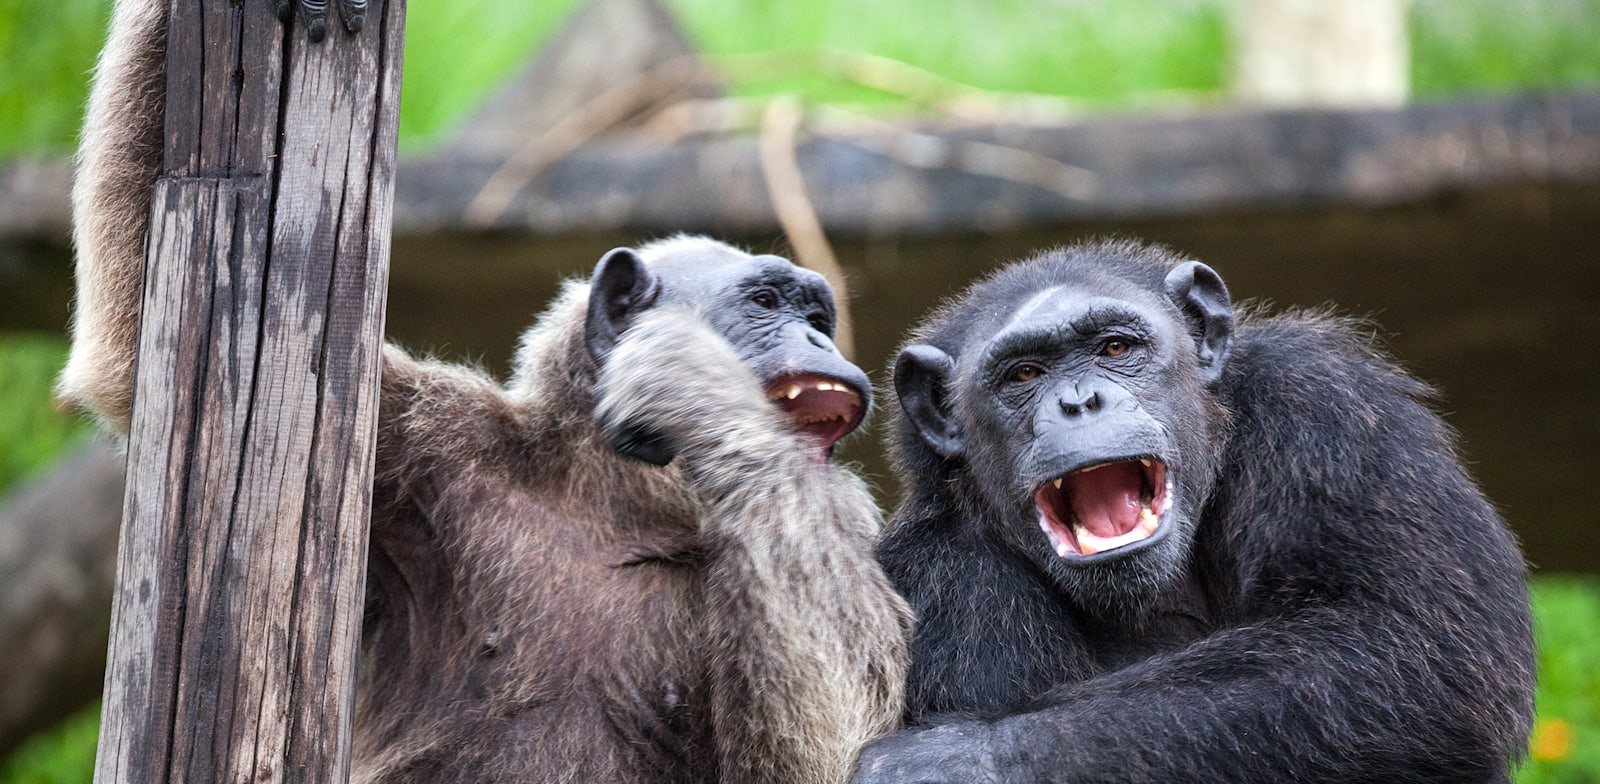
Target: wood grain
[(237, 612)]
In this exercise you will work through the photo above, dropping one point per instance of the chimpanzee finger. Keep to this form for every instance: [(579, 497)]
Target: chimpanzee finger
[(641, 442), (354, 13), (285, 9), (315, 14)]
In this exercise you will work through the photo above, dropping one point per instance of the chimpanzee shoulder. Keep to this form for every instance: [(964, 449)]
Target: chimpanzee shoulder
[(1336, 467)]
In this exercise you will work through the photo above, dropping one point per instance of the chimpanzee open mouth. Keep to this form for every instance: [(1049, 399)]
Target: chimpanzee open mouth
[(1103, 507), (826, 408)]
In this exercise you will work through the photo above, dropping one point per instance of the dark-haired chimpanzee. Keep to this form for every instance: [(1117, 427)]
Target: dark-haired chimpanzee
[(541, 608), (1148, 540)]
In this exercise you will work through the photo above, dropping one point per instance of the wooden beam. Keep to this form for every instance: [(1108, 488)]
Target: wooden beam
[(236, 617), (947, 178), (926, 180)]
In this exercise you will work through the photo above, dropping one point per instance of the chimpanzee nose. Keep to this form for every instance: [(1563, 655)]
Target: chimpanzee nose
[(819, 340), (1077, 401)]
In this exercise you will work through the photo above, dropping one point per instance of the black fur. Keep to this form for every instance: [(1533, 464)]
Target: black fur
[(1352, 609)]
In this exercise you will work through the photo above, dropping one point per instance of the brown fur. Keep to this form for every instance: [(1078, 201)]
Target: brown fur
[(540, 608)]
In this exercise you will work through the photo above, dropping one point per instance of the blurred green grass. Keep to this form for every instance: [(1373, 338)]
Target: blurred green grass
[(1473, 46), (32, 431), (1099, 51), (1566, 740), (63, 755), (1093, 50)]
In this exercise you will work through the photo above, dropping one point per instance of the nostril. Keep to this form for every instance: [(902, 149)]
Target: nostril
[(1082, 405), (818, 339)]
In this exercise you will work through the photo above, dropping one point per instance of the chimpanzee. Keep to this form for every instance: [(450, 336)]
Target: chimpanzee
[(542, 606), (1149, 539)]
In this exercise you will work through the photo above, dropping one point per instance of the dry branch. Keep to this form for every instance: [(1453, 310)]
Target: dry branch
[(787, 189)]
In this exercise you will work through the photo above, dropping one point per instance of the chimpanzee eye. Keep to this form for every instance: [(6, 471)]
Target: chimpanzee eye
[(1026, 371), (1115, 348), (765, 298)]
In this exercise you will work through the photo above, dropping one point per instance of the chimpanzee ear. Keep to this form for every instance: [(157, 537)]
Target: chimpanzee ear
[(622, 287), (1198, 291), (921, 376)]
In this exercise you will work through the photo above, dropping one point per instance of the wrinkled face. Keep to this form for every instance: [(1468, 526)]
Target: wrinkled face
[(778, 317), (1084, 424), (1075, 406)]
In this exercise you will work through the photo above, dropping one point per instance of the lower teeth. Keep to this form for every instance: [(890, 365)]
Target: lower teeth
[(1090, 544)]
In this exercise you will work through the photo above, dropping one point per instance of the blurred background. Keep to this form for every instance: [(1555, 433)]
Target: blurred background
[(1433, 165)]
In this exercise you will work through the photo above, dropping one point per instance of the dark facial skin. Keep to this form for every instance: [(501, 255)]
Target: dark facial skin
[(778, 317), (1076, 385)]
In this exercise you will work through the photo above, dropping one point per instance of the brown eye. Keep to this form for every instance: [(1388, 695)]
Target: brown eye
[(1026, 372), (766, 299), (1114, 348)]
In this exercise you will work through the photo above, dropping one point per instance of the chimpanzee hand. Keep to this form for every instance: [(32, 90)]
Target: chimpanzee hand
[(952, 754), (314, 13), (672, 385)]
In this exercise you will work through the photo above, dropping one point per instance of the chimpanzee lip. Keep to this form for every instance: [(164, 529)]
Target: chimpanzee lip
[(823, 407), (1105, 509)]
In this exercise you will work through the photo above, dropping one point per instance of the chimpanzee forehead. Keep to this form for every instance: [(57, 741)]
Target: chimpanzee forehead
[(706, 274), (1080, 309)]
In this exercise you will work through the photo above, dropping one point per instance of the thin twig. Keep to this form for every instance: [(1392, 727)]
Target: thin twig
[(787, 189), (924, 88), (929, 151), (593, 117)]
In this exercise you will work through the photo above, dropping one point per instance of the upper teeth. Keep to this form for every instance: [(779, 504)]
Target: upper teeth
[(795, 390)]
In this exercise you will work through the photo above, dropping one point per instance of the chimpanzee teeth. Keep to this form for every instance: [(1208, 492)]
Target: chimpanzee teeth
[(1056, 482), (1149, 520), (1089, 544), (1062, 547), (795, 390), (810, 420), (1144, 462)]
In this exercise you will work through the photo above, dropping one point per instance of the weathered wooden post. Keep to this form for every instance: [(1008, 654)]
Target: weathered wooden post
[(240, 575)]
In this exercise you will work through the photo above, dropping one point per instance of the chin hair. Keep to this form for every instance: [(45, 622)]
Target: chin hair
[(1123, 590)]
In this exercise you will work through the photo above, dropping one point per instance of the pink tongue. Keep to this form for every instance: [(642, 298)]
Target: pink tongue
[(1106, 500)]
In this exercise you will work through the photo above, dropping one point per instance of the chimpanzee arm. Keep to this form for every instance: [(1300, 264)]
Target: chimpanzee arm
[(806, 638), (1353, 697), (119, 158)]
